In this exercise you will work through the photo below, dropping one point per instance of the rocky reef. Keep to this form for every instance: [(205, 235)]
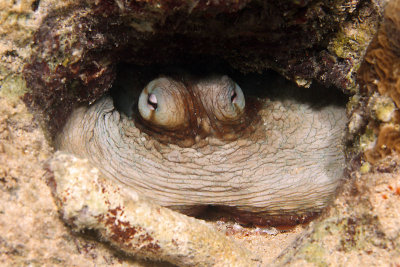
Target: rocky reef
[(380, 86), (56, 56), (76, 48)]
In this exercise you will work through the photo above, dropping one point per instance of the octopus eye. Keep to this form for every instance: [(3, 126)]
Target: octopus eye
[(233, 96), (230, 101), (152, 101), (161, 104)]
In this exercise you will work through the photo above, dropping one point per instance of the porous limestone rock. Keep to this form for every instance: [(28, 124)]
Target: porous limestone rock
[(362, 225)]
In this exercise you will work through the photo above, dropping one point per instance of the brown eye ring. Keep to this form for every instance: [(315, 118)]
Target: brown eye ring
[(161, 104), (230, 101)]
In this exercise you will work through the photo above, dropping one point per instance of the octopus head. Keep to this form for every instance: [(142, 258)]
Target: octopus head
[(188, 143)]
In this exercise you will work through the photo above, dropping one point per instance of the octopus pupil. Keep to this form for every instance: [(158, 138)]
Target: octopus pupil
[(152, 102), (233, 96)]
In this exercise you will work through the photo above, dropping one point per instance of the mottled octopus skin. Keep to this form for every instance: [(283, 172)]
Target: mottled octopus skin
[(287, 169)]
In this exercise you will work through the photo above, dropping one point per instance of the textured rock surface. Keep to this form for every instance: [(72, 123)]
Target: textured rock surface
[(361, 228), (31, 231), (380, 89), (76, 48), (135, 225)]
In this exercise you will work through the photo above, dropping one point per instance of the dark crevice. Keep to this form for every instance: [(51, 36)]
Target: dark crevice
[(249, 37), (35, 5), (131, 79)]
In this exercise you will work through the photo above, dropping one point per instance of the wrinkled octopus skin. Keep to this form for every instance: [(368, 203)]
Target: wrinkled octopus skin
[(188, 145)]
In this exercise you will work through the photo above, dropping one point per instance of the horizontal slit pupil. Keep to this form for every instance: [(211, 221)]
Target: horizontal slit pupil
[(234, 95), (152, 104)]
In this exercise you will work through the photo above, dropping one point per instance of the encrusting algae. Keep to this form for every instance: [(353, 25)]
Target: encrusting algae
[(379, 78)]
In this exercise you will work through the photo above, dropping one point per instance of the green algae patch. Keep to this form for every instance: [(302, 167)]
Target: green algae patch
[(367, 140), (13, 87), (314, 253), (365, 168), (361, 233), (382, 107), (350, 42), (353, 234)]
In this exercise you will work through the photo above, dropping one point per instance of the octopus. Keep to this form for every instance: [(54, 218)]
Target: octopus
[(189, 142)]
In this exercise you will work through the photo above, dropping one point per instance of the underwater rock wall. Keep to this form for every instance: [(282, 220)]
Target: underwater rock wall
[(380, 87), (76, 48), (50, 53)]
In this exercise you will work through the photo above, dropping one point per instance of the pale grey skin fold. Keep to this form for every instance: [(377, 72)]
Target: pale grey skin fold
[(294, 170)]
